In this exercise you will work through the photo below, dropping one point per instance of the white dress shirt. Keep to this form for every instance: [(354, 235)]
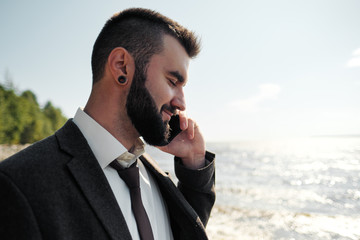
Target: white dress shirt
[(106, 149)]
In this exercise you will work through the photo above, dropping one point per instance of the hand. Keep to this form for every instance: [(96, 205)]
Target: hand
[(189, 145)]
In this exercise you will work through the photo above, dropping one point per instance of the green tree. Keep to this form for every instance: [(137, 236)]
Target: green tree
[(54, 116), (22, 120), (13, 120), (34, 126)]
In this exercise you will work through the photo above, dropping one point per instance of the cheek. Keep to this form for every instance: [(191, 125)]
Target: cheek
[(161, 93)]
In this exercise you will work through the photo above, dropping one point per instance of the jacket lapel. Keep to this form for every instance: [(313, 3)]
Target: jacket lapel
[(92, 181), (185, 223)]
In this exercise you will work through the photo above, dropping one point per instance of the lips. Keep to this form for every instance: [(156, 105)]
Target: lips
[(167, 115)]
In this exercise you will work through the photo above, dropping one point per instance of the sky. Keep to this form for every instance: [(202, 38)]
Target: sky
[(267, 69)]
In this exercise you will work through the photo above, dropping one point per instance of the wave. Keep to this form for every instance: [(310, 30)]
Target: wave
[(244, 223)]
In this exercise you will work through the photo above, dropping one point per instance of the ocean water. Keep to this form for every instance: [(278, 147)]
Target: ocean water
[(285, 189)]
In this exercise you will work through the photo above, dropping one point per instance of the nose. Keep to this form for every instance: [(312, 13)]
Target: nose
[(178, 101)]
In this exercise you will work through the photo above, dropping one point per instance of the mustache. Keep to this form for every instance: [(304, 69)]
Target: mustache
[(169, 109)]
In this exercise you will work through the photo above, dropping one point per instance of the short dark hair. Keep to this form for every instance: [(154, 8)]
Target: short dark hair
[(140, 31)]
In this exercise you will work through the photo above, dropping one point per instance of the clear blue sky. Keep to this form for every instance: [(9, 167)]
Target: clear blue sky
[(267, 69)]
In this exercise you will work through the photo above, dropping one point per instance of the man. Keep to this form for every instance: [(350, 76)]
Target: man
[(71, 185)]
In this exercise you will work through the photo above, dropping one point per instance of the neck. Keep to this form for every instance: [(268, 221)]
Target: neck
[(110, 112)]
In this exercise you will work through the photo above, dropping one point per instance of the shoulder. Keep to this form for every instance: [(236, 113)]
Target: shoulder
[(36, 169), (41, 153), (36, 151), (44, 156), (34, 162)]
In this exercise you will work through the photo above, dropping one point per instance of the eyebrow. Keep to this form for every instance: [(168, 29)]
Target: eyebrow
[(177, 75)]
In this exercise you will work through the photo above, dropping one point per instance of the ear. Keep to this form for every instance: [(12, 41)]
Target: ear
[(121, 63)]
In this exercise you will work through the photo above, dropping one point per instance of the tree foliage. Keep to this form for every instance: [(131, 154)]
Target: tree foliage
[(22, 120)]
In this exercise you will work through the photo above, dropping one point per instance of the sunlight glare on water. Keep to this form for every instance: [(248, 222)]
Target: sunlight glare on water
[(286, 189)]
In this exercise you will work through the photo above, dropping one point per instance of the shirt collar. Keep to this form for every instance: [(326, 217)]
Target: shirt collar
[(105, 146), (129, 157)]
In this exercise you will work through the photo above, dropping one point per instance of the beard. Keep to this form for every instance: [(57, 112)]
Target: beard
[(144, 114)]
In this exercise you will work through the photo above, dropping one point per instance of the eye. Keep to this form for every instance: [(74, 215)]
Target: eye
[(172, 82)]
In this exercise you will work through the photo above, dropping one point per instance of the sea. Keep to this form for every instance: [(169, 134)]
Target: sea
[(304, 188)]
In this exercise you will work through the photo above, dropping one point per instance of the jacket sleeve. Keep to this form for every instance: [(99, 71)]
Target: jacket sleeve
[(17, 220), (198, 186)]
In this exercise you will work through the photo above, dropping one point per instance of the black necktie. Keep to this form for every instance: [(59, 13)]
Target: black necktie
[(131, 178)]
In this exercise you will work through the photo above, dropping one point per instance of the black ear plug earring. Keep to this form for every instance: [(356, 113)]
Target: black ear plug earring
[(122, 80)]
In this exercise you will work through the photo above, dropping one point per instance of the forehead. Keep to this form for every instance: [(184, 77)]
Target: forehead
[(173, 58)]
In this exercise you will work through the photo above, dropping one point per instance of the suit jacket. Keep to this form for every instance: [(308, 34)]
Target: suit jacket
[(55, 189)]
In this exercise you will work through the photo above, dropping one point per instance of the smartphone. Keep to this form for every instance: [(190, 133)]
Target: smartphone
[(174, 127)]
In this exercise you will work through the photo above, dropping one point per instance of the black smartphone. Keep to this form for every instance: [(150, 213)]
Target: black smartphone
[(174, 127)]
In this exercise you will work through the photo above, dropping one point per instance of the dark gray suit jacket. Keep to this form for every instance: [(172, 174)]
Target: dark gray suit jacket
[(56, 189)]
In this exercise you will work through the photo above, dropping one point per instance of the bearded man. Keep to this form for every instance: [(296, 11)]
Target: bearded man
[(92, 179)]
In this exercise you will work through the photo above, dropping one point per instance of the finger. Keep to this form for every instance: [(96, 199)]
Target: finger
[(191, 129), (183, 120)]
